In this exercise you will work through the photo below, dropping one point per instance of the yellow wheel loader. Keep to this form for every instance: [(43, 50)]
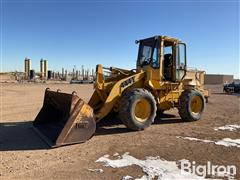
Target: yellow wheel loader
[(161, 81)]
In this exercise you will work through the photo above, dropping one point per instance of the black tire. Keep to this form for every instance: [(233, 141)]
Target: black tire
[(160, 111), (129, 102), (185, 110)]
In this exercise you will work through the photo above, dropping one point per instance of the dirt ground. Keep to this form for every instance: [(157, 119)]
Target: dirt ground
[(25, 156)]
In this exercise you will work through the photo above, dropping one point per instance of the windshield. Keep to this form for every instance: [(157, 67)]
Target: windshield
[(145, 52)]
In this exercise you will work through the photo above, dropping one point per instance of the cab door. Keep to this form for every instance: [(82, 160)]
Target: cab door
[(180, 61), (155, 64)]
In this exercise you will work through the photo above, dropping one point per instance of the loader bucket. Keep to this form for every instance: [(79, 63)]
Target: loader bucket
[(64, 119)]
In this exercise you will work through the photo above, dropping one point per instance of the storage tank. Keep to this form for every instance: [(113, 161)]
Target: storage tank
[(49, 76), (32, 74), (45, 68), (42, 67), (62, 72), (27, 67)]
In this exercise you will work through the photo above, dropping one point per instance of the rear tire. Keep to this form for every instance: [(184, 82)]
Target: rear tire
[(191, 105), (137, 109)]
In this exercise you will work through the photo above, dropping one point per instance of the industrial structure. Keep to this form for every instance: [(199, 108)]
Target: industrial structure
[(41, 68), (218, 78), (74, 76), (27, 67), (44, 69)]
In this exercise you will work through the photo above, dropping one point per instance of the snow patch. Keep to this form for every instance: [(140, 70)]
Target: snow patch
[(116, 154), (127, 177), (196, 139), (232, 127), (228, 142), (152, 167)]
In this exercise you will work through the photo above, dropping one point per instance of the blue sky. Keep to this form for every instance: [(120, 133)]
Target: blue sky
[(69, 33)]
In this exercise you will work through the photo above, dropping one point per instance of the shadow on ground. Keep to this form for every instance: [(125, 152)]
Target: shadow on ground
[(16, 136), (19, 136), (113, 125)]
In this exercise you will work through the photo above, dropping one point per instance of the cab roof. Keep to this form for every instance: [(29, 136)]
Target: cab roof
[(161, 37)]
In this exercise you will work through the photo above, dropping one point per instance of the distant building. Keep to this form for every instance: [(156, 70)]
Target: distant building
[(43, 68), (27, 67), (217, 78)]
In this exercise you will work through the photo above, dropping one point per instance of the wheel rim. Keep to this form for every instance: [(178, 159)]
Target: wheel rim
[(142, 110), (196, 105)]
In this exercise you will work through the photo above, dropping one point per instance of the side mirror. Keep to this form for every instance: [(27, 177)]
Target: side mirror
[(136, 41)]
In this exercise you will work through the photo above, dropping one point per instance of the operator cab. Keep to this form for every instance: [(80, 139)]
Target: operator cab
[(163, 54), (148, 53)]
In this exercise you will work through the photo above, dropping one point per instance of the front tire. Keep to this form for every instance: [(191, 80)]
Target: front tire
[(191, 105), (137, 109)]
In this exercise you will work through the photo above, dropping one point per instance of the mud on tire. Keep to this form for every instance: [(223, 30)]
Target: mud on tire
[(188, 109), (128, 104)]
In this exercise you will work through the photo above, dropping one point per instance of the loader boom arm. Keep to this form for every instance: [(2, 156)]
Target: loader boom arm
[(107, 92)]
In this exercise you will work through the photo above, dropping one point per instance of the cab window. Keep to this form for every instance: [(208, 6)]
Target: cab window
[(155, 59), (180, 61), (146, 49), (168, 61)]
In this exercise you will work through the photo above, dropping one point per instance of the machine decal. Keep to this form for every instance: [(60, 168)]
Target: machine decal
[(127, 82)]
